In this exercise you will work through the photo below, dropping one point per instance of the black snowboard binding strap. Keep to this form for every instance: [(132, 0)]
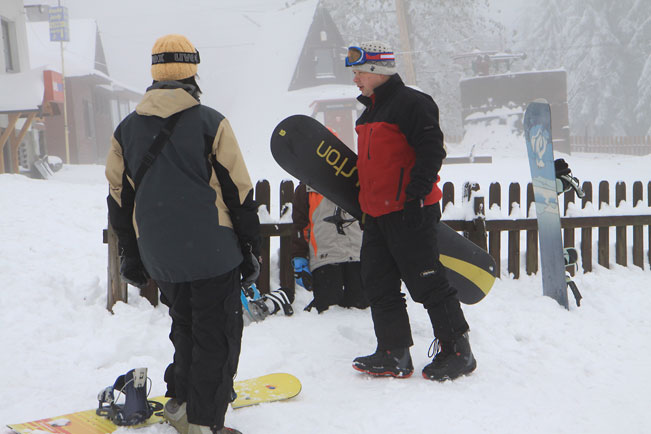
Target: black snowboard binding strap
[(564, 179), (136, 409), (574, 289), (565, 183), (571, 257)]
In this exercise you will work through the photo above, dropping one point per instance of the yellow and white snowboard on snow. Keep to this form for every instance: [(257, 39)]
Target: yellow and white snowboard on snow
[(258, 390)]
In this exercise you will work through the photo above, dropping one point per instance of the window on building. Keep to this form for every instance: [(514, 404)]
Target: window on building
[(101, 102), (7, 46), (325, 66), (89, 119), (124, 108)]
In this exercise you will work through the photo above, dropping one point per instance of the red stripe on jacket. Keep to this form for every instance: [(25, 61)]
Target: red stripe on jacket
[(384, 163)]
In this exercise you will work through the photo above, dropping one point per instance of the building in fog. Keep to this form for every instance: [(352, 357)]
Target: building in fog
[(21, 89), (95, 102), (31, 85)]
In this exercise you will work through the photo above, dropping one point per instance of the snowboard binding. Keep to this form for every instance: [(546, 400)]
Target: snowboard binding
[(254, 306), (566, 182), (564, 179), (571, 257), (257, 307), (136, 408)]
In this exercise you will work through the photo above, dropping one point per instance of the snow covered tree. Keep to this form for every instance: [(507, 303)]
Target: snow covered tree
[(603, 45), (437, 31)]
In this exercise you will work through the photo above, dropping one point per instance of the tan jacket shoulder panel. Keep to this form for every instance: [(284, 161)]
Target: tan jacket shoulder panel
[(165, 102)]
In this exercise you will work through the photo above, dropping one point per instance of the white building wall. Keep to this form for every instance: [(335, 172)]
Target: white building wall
[(13, 12)]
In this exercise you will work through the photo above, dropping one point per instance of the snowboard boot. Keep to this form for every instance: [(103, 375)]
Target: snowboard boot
[(453, 360), (386, 363), (176, 415), (202, 429)]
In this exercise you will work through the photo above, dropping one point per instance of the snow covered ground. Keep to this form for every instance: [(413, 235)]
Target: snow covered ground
[(541, 368)]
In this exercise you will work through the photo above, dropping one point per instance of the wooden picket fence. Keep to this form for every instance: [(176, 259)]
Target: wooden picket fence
[(628, 145), (486, 233)]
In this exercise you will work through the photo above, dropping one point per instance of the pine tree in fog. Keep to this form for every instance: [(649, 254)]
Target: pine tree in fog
[(604, 47), (438, 30)]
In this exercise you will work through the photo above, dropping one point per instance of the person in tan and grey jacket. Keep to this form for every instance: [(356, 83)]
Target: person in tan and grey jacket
[(325, 251), (181, 203)]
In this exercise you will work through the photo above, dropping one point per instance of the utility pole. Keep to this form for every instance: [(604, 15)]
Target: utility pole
[(405, 44), (65, 102), (59, 31)]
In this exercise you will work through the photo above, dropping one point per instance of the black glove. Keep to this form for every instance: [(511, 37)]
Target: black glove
[(250, 267), (133, 272), (561, 167), (414, 213), (420, 186)]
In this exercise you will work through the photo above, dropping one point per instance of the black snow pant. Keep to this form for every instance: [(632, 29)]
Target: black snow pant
[(392, 252), (206, 334), (338, 284)]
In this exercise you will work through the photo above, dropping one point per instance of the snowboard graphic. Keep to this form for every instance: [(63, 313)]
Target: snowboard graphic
[(537, 130), (267, 388), (309, 151)]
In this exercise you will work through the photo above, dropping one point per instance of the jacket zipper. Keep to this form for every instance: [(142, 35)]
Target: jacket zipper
[(402, 173), (368, 148)]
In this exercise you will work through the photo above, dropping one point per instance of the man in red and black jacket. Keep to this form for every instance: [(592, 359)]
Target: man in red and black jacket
[(400, 152)]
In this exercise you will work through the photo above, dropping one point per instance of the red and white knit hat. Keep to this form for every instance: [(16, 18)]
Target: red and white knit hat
[(386, 66)]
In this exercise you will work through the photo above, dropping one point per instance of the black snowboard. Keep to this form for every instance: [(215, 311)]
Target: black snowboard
[(309, 151)]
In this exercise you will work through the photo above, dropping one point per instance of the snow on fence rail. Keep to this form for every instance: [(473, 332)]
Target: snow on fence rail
[(483, 228), (629, 145), (486, 231)]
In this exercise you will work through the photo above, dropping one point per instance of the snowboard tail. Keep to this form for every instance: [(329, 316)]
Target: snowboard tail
[(268, 388), (258, 390), (309, 151)]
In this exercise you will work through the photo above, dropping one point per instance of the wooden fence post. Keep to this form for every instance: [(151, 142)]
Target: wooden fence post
[(117, 289), (638, 231), (468, 188), (478, 235), (620, 231), (514, 236), (494, 237), (604, 235), (586, 233), (531, 265), (263, 197), (448, 195), (150, 292), (286, 273)]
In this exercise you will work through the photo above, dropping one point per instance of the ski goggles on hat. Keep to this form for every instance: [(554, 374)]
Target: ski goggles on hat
[(357, 56)]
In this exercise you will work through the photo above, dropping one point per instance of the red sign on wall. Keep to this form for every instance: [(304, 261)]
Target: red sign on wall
[(53, 82)]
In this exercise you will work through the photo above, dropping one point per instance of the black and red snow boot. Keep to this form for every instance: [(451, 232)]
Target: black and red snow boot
[(453, 359), (386, 363)]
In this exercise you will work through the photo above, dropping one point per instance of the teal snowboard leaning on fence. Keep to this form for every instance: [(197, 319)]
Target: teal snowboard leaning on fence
[(309, 151), (553, 257)]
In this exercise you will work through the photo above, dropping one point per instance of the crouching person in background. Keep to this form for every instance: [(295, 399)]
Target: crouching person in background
[(181, 203), (325, 251)]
